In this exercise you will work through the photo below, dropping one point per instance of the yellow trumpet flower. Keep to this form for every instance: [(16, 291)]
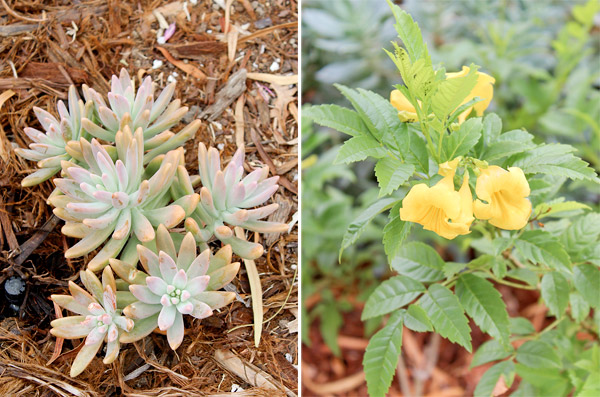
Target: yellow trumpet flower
[(506, 194), (440, 208), (484, 89)]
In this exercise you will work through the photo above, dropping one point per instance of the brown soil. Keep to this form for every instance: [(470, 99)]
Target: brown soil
[(40, 60)]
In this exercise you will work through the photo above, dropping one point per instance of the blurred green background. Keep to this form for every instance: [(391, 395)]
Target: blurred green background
[(546, 63)]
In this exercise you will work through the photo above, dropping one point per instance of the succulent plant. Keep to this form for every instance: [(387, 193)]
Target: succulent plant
[(175, 283), (99, 318), (117, 198), (48, 147), (138, 110), (226, 198)]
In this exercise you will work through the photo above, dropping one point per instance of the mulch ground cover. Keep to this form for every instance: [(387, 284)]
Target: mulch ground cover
[(237, 71)]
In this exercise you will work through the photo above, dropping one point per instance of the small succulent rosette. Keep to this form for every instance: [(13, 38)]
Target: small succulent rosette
[(229, 198), (126, 107), (107, 201), (175, 282), (48, 147), (98, 320)]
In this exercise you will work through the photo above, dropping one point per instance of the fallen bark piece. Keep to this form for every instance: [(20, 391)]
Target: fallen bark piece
[(186, 67), (50, 71), (196, 50), (274, 78), (236, 85), (248, 372)]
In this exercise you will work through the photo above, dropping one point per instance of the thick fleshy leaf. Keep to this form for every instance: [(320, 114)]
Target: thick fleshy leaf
[(167, 265), (201, 310), (141, 310), (141, 329), (166, 317), (156, 285), (141, 226), (216, 299), (112, 351), (187, 252), (65, 321), (149, 260), (175, 332), (197, 285), (144, 294), (88, 243), (84, 357), (200, 265), (164, 242), (80, 295), (110, 250), (169, 216), (92, 284), (180, 279), (73, 331), (223, 276)]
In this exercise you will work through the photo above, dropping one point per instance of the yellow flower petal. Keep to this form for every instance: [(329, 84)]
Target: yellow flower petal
[(506, 194), (440, 208)]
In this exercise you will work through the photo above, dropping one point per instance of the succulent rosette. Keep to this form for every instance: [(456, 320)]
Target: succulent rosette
[(114, 199), (228, 198), (175, 282), (48, 147), (126, 107), (99, 318)]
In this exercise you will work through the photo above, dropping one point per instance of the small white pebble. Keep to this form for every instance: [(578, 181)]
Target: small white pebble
[(245, 26), (289, 357), (294, 267), (274, 66), (236, 388), (220, 146), (171, 78), (194, 2), (161, 40), (157, 64), (209, 31)]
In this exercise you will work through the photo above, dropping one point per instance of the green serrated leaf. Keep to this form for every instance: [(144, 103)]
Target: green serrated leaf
[(416, 319), (490, 351), (447, 315), (359, 148), (381, 357), (544, 210), (580, 309), (391, 295), (394, 233), (391, 174), (507, 144), (460, 142), (541, 247), (451, 92), (525, 275), (331, 323), (419, 261), (417, 153), (488, 381), (586, 279), (484, 304), (582, 236), (336, 117), (358, 225), (538, 354), (492, 127), (548, 381), (555, 292), (554, 159), (521, 326)]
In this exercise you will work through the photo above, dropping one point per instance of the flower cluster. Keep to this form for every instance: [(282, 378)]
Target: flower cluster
[(449, 213)]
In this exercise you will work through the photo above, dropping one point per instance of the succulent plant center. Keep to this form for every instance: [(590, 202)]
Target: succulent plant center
[(174, 296)]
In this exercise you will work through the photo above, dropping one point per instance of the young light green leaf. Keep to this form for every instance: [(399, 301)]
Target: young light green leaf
[(359, 148), (538, 354), (580, 309), (555, 292), (541, 247), (416, 319), (447, 315), (492, 127), (554, 159), (336, 117), (391, 295), (490, 378), (586, 279), (410, 34), (358, 225), (525, 275), (381, 356), (544, 210), (460, 142), (582, 235), (484, 304), (451, 92), (419, 261), (394, 233), (417, 153), (391, 174), (548, 381), (490, 351)]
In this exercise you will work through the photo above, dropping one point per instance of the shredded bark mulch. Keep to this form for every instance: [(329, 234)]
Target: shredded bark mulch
[(235, 71)]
